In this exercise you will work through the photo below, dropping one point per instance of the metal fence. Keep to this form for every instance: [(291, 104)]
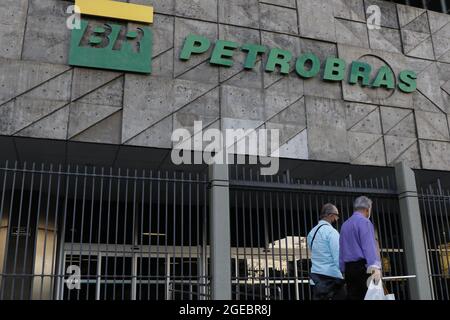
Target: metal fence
[(121, 234), (435, 213), (271, 218)]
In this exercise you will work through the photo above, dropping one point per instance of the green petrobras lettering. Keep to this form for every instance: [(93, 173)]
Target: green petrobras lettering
[(300, 65), (281, 58), (407, 82), (111, 46), (194, 44), (384, 78), (334, 69), (307, 65), (222, 52), (360, 70), (253, 51)]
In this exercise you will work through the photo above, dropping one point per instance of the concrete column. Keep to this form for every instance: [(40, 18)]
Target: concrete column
[(220, 232), (414, 242)]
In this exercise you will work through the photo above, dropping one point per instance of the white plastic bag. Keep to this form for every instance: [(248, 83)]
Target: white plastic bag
[(375, 291)]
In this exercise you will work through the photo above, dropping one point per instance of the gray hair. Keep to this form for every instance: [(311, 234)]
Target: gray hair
[(362, 203), (327, 209)]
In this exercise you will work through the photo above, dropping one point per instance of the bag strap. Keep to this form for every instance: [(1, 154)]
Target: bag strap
[(315, 233)]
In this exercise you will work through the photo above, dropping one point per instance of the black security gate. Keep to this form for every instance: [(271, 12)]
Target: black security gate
[(271, 217), (435, 213), (89, 233)]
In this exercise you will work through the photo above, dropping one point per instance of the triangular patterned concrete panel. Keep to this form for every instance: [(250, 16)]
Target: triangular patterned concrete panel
[(413, 40), (385, 39), (426, 84), (424, 50), (205, 109), (366, 149), (13, 73), (405, 128), (420, 24), (349, 9), (35, 104), (147, 100), (359, 142), (352, 33), (201, 73), (442, 47), (295, 148), (106, 131), (356, 112), (432, 126), (110, 94), (392, 116), (407, 14), (157, 136), (85, 115), (397, 146), (290, 121), (370, 123), (423, 104), (54, 126), (438, 20), (88, 80), (281, 95)]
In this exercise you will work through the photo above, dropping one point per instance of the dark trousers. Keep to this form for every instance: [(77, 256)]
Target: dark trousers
[(355, 279)]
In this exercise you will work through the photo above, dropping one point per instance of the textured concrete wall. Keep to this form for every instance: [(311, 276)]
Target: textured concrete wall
[(41, 96)]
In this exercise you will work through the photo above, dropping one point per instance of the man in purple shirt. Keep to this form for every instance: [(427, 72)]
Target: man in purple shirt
[(358, 255)]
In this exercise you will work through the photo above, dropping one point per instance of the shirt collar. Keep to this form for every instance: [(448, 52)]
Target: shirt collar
[(324, 222), (359, 214)]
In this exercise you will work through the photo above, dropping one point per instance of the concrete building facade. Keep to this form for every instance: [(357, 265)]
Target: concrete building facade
[(52, 112), (41, 96)]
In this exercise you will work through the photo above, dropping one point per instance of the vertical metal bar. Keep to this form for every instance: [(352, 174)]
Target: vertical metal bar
[(251, 243), (16, 250), (167, 235), (36, 231), (8, 233), (82, 222), (107, 276), (5, 175), (149, 236), (90, 233), (190, 237), (133, 242), (99, 237), (158, 199), (61, 259), (429, 213), (125, 214), (141, 241), (236, 214), (293, 233), (182, 237), (442, 242), (55, 236), (28, 231), (116, 234), (174, 230), (266, 248), (258, 234), (287, 245), (244, 238)]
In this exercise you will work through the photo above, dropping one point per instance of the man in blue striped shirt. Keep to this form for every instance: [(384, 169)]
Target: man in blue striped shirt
[(323, 241)]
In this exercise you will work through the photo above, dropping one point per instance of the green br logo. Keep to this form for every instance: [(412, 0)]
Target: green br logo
[(111, 46)]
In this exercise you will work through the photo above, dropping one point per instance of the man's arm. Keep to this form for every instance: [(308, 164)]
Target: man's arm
[(368, 245), (334, 247), (341, 259)]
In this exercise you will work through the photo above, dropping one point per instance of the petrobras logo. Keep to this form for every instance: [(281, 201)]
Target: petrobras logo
[(122, 41)]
